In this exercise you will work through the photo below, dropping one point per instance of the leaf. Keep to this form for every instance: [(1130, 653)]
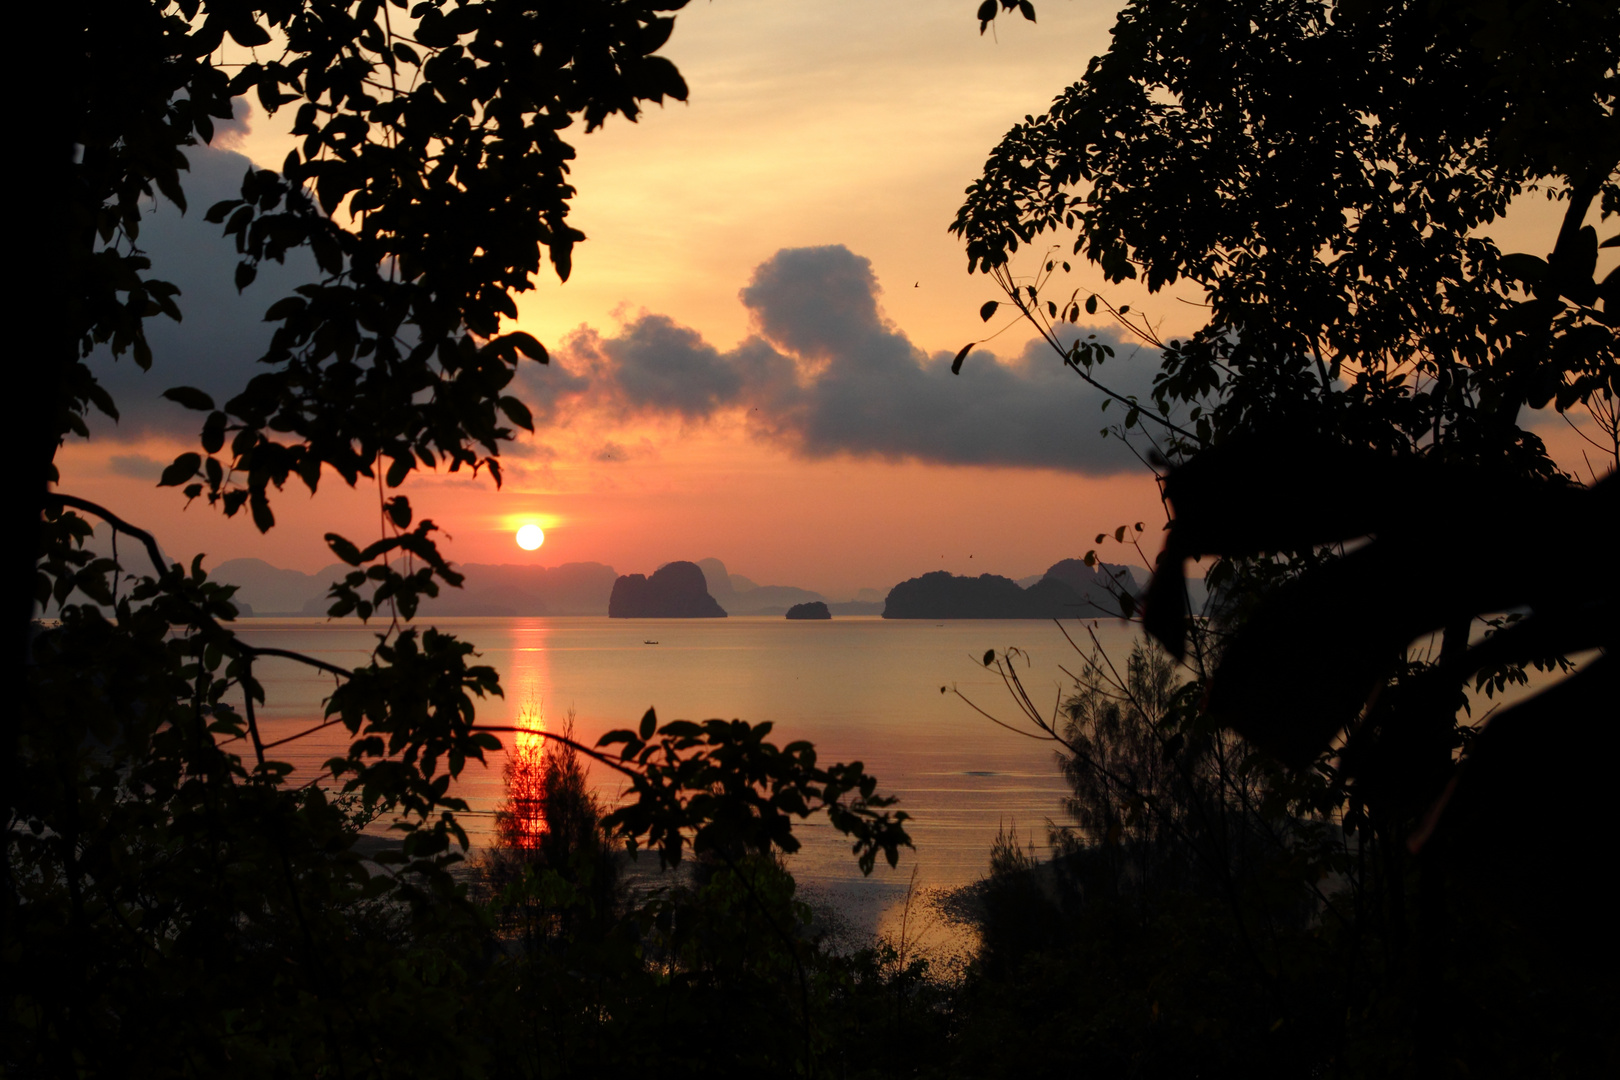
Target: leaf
[(92, 580), (562, 258), (956, 364), (1091, 304), (517, 412), (987, 310), (213, 432), (103, 400), (399, 469), (245, 273), (1026, 9), (248, 33), (183, 468), (285, 307), (434, 30), (649, 724), (526, 344), (219, 210), (989, 657), (343, 549), (263, 518), (190, 397), (399, 511)]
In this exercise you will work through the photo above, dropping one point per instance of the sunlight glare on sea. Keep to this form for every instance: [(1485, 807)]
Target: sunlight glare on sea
[(864, 689)]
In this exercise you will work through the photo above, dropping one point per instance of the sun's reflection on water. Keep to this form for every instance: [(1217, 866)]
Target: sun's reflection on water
[(520, 818)]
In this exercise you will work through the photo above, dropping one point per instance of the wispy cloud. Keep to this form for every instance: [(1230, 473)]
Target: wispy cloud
[(136, 466)]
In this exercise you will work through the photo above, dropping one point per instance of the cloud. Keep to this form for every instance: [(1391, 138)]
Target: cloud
[(231, 134), (657, 365), (136, 466), (223, 332), (821, 303), (825, 374)]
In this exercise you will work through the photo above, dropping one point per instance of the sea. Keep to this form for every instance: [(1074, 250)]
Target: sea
[(911, 700)]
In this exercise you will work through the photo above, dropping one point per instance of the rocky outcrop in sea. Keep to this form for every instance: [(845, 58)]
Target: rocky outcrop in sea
[(1069, 590), (676, 590)]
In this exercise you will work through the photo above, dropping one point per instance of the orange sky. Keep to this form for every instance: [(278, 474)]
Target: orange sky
[(843, 126)]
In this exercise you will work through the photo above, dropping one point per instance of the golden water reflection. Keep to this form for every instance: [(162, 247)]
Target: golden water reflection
[(520, 819)]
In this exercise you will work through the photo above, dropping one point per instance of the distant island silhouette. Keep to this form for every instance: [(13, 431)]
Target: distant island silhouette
[(1069, 590), (742, 596), (676, 590), (815, 609), (580, 588)]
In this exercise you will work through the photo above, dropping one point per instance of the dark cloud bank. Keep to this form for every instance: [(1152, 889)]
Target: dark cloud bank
[(824, 373), (223, 332)]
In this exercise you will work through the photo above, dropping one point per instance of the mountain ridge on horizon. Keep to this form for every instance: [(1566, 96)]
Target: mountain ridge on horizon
[(511, 589), (1070, 588), (570, 588)]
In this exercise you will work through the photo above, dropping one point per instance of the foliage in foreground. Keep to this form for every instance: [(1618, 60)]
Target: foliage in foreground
[(1207, 911), (1384, 883), (174, 907), (618, 968), (179, 905), (175, 902)]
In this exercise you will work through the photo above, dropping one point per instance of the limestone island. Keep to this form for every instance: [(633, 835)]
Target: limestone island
[(815, 609), (676, 590), (1068, 590)]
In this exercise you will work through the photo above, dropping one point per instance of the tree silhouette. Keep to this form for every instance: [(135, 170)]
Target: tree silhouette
[(1345, 432), (173, 903), (1323, 172)]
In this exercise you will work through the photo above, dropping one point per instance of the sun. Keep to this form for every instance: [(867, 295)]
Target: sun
[(530, 537)]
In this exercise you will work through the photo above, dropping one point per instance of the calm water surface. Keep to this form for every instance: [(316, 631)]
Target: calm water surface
[(862, 689)]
